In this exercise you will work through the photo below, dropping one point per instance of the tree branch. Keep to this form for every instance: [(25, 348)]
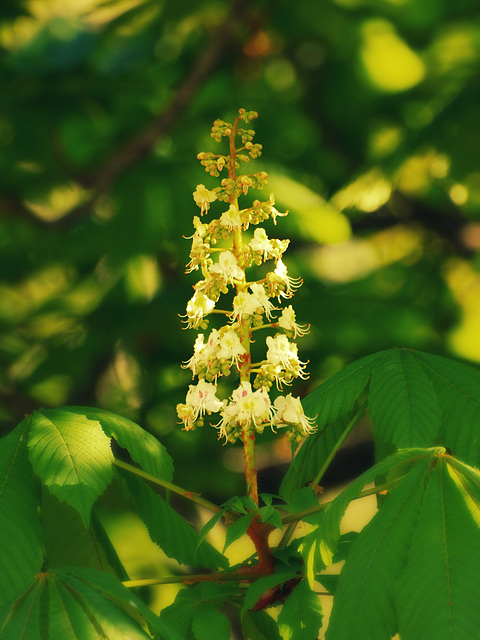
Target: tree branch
[(135, 149)]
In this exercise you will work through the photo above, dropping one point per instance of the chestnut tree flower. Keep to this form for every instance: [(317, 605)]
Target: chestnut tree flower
[(201, 398), (203, 197), (250, 305), (289, 412)]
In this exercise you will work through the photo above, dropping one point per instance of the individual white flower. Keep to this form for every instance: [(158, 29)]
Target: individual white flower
[(231, 219), (289, 283), (197, 307), (246, 407), (203, 352), (203, 197), (199, 251), (260, 243), (201, 229), (230, 347), (227, 267), (285, 353), (201, 398), (272, 211), (289, 411), (258, 290), (245, 304), (287, 322)]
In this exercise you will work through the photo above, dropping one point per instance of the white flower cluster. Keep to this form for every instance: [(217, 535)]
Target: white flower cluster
[(249, 408)]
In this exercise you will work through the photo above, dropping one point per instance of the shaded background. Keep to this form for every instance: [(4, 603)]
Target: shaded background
[(369, 117)]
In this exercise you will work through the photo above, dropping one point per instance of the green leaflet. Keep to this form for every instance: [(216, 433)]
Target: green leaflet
[(319, 546), (208, 623), (169, 530), (72, 544), (458, 390), (258, 625), (301, 615), (21, 541), (209, 596), (403, 402), (336, 396), (364, 605), (72, 456), (238, 528), (142, 446), (20, 619), (438, 591)]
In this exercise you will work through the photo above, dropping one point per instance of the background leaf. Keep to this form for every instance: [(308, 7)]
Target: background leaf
[(72, 456), (21, 541)]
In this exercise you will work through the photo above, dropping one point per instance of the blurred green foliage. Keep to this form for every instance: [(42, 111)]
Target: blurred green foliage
[(368, 113)]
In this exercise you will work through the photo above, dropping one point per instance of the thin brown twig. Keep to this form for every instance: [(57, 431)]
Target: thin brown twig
[(135, 149)]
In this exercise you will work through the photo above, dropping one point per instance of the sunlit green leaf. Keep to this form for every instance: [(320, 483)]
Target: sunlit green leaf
[(72, 456)]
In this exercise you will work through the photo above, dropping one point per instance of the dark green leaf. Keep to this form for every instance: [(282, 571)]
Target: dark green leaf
[(237, 529), (364, 604), (301, 615), (403, 402), (336, 396), (438, 591), (458, 390), (169, 530), (21, 555), (258, 625), (319, 545), (263, 585), (208, 623)]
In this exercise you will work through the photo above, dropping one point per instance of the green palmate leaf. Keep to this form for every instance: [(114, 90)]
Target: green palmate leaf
[(169, 530), (72, 456), (21, 555), (142, 446), (336, 396), (458, 389), (67, 617), (79, 604), (67, 542), (301, 615), (20, 619), (438, 591), (403, 402), (208, 623), (258, 625), (364, 605), (319, 546)]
